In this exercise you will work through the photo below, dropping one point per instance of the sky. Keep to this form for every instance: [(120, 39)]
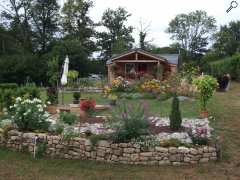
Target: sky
[(160, 12)]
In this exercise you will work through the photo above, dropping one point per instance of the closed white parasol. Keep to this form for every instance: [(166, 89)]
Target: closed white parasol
[(65, 72)]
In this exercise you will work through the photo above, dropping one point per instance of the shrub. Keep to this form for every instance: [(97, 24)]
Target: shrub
[(8, 86), (206, 85), (119, 84), (151, 86), (8, 93), (175, 116), (230, 65), (88, 105), (7, 97), (69, 133), (52, 95), (30, 91), (29, 115), (76, 95), (128, 122), (68, 118)]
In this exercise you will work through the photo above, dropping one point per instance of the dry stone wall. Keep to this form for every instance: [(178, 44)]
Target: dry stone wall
[(125, 153)]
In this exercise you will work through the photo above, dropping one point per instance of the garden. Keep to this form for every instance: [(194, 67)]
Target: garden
[(138, 118)]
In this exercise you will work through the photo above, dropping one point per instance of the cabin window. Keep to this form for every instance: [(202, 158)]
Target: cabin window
[(130, 68)]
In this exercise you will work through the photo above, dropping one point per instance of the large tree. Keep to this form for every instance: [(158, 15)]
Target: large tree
[(117, 37), (44, 21), (228, 39), (16, 19), (78, 34), (192, 31)]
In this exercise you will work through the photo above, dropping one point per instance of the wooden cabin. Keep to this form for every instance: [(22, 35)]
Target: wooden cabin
[(138, 63)]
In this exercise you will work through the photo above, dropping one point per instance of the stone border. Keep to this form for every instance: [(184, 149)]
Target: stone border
[(125, 153)]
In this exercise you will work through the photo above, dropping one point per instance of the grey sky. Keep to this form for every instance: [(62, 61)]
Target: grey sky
[(160, 12)]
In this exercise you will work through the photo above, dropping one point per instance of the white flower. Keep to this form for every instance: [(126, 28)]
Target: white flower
[(18, 99), (48, 102)]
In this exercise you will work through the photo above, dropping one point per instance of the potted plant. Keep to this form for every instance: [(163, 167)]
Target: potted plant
[(87, 108), (76, 97), (52, 99), (113, 99), (206, 86)]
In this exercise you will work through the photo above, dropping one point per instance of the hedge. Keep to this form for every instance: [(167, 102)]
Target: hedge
[(8, 85), (230, 65)]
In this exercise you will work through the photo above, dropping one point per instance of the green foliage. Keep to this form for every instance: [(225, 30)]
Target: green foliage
[(8, 95), (128, 122), (192, 30), (8, 86), (72, 76), (52, 95), (29, 115), (118, 36), (41, 149), (206, 85), (30, 91), (230, 65), (76, 95), (199, 140), (227, 39), (189, 71), (175, 116), (69, 133), (68, 118), (53, 71)]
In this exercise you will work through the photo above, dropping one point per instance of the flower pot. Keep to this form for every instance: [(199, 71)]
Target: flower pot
[(204, 114), (113, 102), (83, 115), (52, 109), (76, 101)]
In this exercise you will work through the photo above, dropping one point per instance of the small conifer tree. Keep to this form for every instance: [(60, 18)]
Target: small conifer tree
[(175, 116)]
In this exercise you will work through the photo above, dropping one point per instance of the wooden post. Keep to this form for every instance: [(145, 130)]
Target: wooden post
[(158, 70)]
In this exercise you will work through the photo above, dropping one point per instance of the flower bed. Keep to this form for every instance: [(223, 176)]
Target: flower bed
[(126, 153)]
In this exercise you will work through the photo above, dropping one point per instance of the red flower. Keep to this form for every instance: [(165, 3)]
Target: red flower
[(87, 105)]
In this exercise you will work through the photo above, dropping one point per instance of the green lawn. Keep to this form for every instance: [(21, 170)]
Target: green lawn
[(189, 108), (226, 109)]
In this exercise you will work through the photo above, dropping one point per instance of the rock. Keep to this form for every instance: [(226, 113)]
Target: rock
[(128, 150), (183, 150), (14, 133), (172, 150), (100, 153), (176, 163), (186, 159), (104, 143), (161, 149), (124, 145), (204, 160), (87, 142), (117, 152), (176, 158), (146, 154), (193, 151), (135, 157), (205, 149), (211, 149)]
